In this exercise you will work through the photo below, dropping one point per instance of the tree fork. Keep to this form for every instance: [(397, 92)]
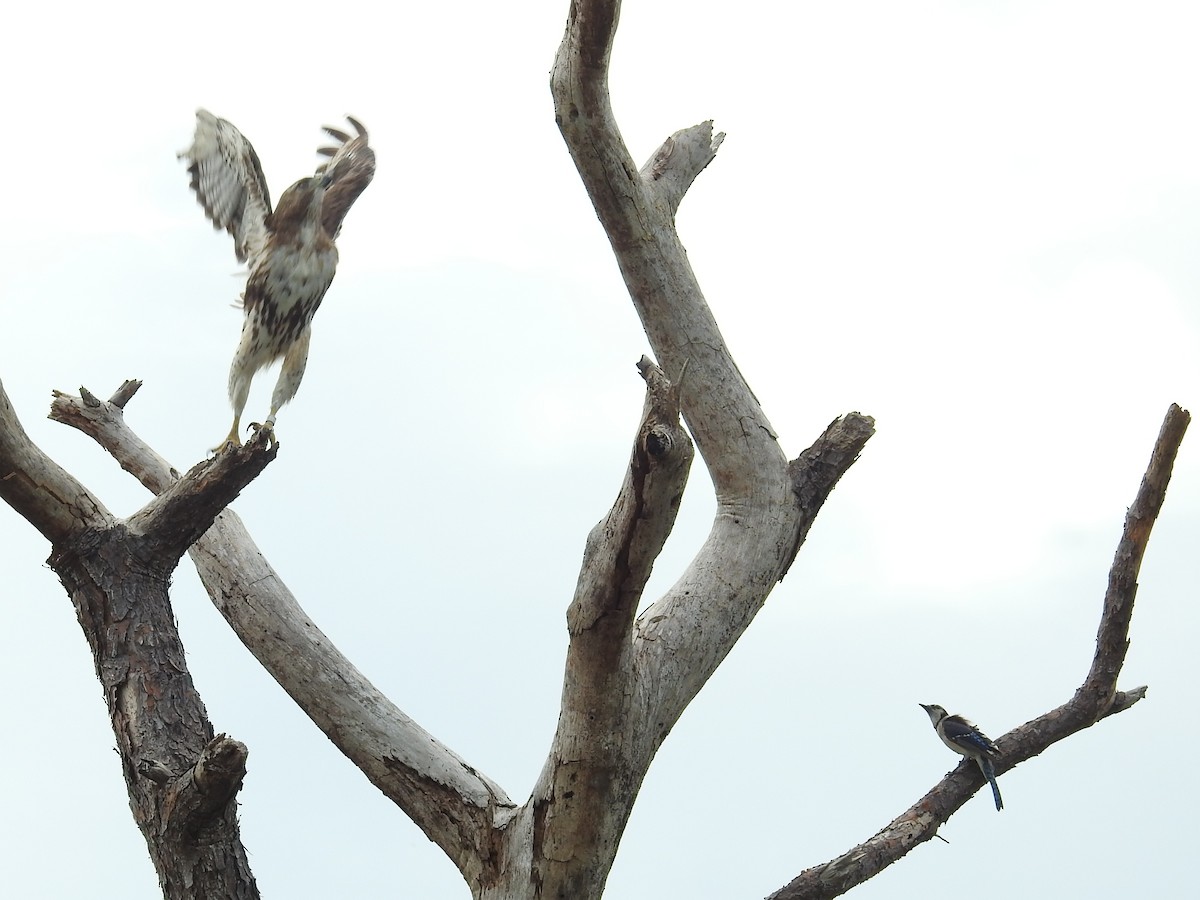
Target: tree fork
[(1096, 699), (182, 782)]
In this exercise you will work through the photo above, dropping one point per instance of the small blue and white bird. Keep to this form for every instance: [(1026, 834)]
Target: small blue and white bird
[(963, 736)]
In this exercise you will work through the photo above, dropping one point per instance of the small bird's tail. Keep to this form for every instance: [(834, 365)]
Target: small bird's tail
[(989, 772)]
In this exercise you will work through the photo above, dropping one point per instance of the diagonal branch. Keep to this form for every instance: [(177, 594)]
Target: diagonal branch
[(637, 210), (453, 803), (1096, 699), (96, 418), (176, 518), (622, 548), (1112, 639), (694, 619), (587, 788), (816, 471), (185, 506), (677, 163), (449, 800)]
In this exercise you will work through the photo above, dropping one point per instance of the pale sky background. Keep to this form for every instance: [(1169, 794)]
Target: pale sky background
[(974, 221)]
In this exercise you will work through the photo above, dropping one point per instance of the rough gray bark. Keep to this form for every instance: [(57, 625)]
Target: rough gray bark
[(181, 779)]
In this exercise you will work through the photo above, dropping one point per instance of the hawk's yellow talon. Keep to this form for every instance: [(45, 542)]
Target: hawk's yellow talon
[(268, 427)]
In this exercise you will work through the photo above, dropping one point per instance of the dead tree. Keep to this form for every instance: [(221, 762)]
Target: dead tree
[(628, 676)]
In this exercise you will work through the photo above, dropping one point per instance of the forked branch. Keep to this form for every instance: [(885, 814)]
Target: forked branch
[(761, 516), (764, 504), (597, 761), (1096, 699), (181, 782), (622, 548), (453, 803)]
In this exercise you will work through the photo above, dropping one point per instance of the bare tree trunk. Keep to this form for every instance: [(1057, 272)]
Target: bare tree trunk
[(182, 780), (1096, 699)]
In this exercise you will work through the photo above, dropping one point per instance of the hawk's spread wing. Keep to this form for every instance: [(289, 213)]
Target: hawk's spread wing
[(229, 183), (351, 167)]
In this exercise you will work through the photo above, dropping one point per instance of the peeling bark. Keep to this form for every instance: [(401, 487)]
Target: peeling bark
[(181, 782), (456, 806)]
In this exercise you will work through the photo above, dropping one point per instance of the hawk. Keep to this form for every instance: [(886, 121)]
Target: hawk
[(289, 250)]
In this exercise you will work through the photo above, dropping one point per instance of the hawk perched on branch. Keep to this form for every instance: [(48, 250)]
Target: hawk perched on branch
[(289, 250)]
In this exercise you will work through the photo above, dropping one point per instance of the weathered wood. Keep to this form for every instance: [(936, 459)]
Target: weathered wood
[(181, 783), (1096, 699), (455, 805)]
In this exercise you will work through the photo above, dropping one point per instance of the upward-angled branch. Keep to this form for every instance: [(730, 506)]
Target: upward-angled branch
[(686, 633), (176, 518), (759, 522), (1112, 640), (185, 506), (622, 548), (586, 790), (637, 210)]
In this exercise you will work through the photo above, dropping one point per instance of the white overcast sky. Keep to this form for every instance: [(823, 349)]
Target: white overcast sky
[(975, 221)]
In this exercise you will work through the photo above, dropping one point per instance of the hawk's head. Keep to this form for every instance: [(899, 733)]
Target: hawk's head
[(299, 209)]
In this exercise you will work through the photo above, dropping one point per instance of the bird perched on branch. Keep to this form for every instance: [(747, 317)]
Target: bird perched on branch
[(289, 249), (963, 736)]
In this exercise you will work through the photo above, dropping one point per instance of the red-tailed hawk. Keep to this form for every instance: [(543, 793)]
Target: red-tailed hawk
[(289, 250)]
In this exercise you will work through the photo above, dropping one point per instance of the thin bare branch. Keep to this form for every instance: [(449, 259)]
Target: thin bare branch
[(637, 210), (622, 548), (1096, 699), (1112, 639), (817, 470)]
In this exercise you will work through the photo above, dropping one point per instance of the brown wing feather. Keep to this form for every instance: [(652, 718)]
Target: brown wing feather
[(351, 167), (229, 183)]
